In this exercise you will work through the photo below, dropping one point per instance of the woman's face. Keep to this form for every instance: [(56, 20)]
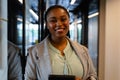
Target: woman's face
[(58, 23)]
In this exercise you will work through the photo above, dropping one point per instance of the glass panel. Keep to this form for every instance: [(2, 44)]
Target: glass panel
[(75, 32), (93, 39), (31, 34), (19, 33), (31, 23)]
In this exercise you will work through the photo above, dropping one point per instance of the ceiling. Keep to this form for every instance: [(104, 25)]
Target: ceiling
[(66, 3), (75, 9)]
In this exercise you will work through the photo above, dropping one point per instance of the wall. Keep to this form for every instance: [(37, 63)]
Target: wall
[(3, 39), (109, 40), (112, 59)]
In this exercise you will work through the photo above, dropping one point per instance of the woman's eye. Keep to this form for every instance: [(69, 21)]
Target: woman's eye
[(64, 19)]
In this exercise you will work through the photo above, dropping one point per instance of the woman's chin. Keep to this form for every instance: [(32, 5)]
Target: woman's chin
[(61, 36)]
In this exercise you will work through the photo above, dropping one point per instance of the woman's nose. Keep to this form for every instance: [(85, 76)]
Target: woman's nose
[(59, 23)]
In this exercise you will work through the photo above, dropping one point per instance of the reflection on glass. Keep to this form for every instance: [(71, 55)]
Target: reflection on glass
[(75, 32), (19, 33), (31, 34), (93, 39)]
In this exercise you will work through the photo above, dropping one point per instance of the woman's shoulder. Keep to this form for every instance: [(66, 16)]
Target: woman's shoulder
[(77, 46), (75, 43)]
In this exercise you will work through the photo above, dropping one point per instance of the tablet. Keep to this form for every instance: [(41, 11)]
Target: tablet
[(61, 77)]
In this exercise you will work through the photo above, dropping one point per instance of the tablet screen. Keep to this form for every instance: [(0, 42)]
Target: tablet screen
[(61, 77)]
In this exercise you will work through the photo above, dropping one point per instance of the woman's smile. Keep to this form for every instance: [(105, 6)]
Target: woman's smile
[(59, 29)]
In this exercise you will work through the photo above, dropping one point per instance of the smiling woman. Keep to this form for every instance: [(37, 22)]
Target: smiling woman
[(57, 54)]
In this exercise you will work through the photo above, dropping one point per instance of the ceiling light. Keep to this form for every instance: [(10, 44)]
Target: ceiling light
[(93, 15), (21, 1), (72, 2), (19, 19), (34, 14)]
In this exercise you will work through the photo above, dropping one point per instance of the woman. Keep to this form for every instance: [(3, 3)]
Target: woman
[(57, 54)]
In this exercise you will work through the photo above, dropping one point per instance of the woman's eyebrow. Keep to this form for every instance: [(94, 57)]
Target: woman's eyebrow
[(51, 17)]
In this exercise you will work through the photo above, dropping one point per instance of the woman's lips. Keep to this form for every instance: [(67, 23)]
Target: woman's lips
[(60, 29)]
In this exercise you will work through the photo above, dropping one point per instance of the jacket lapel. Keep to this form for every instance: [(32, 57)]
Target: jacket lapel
[(44, 61), (82, 56)]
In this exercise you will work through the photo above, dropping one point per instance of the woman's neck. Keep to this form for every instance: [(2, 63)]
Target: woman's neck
[(60, 44), (58, 41)]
